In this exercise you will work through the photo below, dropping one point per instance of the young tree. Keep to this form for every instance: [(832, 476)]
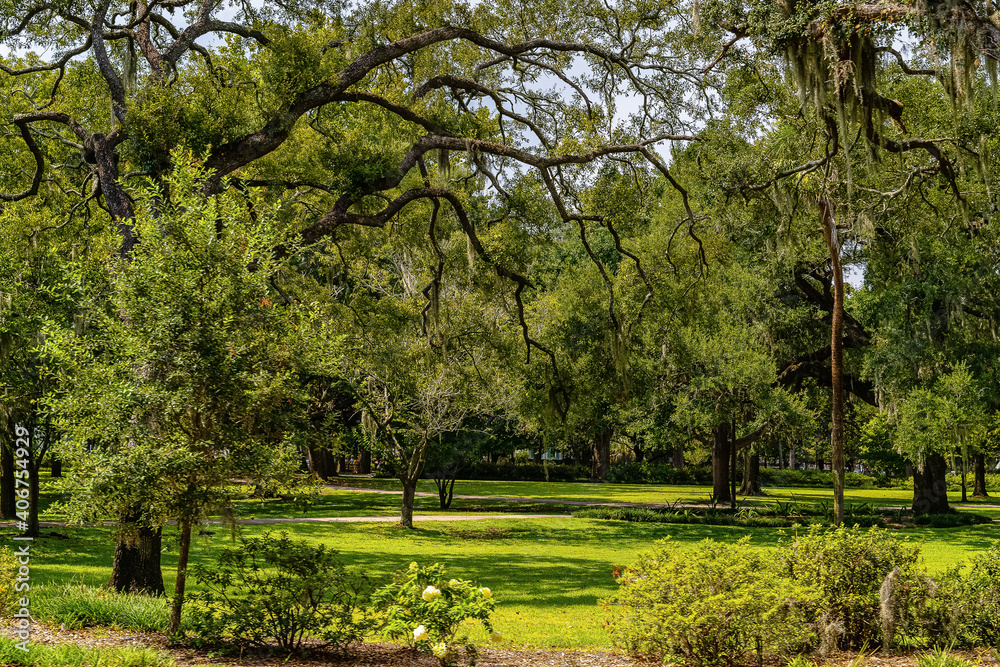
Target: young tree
[(185, 373)]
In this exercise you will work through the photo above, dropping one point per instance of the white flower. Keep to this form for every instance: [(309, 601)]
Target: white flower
[(413, 565), (487, 593), (440, 650), (453, 582), (495, 636), (430, 593), (420, 634)]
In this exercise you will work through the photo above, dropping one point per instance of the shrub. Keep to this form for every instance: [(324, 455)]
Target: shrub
[(981, 593), (282, 591), (716, 603), (427, 610), (847, 566), (644, 472), (526, 472)]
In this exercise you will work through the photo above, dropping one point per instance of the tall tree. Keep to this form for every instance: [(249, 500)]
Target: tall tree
[(184, 377)]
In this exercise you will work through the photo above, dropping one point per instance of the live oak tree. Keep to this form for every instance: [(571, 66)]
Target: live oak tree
[(184, 376), (338, 112)]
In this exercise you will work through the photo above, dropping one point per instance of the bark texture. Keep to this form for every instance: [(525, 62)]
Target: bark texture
[(136, 566), (836, 361), (930, 490), (721, 453), (979, 476)]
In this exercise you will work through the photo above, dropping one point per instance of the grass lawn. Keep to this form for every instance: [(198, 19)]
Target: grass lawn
[(547, 574), (641, 493)]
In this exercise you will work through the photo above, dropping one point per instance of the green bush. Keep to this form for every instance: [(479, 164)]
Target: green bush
[(717, 603), (644, 472), (425, 609), (279, 590), (981, 593), (951, 519), (526, 472), (847, 566), (86, 606)]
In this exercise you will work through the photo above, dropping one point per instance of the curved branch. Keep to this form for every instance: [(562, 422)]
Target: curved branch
[(39, 164), (229, 157), (115, 86)]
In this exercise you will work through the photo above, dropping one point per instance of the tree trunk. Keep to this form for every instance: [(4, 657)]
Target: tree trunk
[(365, 462), (792, 463), (639, 452), (182, 563), (8, 509), (136, 566), (678, 457), (732, 472), (751, 476), (319, 464), (720, 463), (406, 510), (930, 488), (965, 466), (34, 467), (602, 455), (537, 454), (836, 361), (979, 476), (445, 483), (781, 457), (56, 467)]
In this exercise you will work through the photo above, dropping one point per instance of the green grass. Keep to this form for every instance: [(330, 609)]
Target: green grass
[(547, 574), (71, 655)]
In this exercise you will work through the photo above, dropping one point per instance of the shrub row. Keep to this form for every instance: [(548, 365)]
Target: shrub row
[(644, 472), (827, 588), (526, 472)]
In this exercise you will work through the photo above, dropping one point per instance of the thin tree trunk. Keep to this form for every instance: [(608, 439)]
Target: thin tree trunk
[(979, 476), (836, 361), (602, 454), (965, 493), (930, 487), (720, 463), (182, 562), (792, 464), (732, 472)]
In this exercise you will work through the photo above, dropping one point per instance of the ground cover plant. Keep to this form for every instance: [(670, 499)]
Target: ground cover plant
[(69, 655)]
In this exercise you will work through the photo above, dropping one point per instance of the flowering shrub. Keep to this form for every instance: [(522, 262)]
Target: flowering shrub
[(423, 607)]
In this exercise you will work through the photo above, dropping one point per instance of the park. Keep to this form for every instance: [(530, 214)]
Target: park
[(524, 332)]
